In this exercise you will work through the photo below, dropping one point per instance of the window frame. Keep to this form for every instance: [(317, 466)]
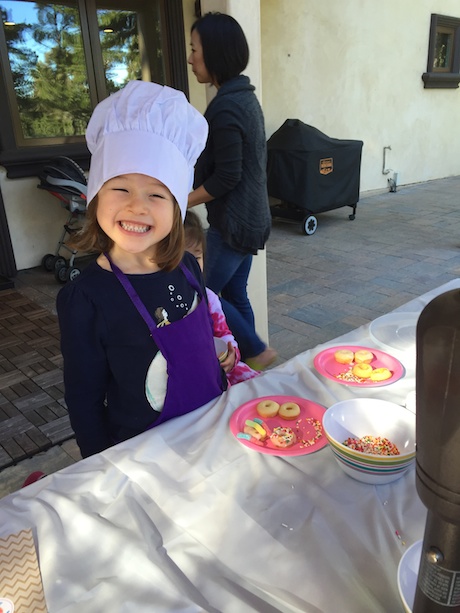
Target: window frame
[(440, 78), (25, 161)]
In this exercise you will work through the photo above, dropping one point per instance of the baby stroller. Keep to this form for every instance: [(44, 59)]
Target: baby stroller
[(64, 178)]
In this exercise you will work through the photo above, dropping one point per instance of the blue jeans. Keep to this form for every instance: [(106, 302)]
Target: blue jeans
[(227, 272)]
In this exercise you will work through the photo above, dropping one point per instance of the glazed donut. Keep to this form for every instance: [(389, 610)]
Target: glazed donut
[(344, 356), (363, 356), (380, 374), (363, 371), (289, 410), (267, 408), (283, 437)]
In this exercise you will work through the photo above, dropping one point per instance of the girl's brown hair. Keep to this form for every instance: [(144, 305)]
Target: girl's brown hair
[(169, 251), (194, 233)]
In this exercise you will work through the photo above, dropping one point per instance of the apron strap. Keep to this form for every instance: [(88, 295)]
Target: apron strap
[(140, 306)]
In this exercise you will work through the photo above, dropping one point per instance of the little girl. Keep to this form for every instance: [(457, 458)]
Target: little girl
[(136, 335), (195, 242)]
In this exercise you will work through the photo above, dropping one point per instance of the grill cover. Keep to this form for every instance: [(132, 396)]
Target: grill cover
[(311, 171)]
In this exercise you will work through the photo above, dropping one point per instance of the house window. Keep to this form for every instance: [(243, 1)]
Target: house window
[(443, 69), (59, 59)]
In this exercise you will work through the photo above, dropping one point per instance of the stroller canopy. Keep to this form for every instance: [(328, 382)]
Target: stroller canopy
[(63, 176)]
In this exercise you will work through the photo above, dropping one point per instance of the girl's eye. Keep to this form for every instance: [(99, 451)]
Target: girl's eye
[(157, 196), (120, 189)]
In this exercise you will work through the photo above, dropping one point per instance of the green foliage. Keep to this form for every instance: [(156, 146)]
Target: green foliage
[(51, 86)]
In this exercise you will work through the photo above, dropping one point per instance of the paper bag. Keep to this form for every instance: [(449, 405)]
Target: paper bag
[(20, 578)]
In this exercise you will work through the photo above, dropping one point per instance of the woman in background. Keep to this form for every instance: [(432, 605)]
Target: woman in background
[(230, 176)]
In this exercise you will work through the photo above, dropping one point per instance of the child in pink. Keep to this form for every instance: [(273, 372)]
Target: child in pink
[(194, 244)]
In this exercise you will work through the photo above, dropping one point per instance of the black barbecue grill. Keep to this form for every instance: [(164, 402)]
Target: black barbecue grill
[(310, 173)]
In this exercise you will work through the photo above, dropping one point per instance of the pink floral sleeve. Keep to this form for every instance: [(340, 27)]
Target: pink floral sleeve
[(241, 371)]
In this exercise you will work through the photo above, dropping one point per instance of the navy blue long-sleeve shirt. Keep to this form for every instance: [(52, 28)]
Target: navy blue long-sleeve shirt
[(107, 349)]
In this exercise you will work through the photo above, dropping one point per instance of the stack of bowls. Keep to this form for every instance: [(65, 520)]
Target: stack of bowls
[(359, 417)]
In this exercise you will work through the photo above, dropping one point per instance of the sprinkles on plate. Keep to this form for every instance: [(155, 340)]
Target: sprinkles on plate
[(372, 444), (350, 377), (318, 431)]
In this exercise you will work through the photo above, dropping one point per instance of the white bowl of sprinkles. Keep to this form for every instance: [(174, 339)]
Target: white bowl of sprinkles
[(372, 440)]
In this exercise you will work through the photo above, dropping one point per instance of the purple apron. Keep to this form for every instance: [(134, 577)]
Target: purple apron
[(194, 374)]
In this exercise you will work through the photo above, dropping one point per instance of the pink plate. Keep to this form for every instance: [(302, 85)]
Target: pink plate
[(303, 426), (326, 365)]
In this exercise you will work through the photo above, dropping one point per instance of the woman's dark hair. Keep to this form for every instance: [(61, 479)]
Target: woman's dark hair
[(225, 48), (92, 238)]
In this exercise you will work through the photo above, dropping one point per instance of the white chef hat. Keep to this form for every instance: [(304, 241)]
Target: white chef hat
[(149, 129)]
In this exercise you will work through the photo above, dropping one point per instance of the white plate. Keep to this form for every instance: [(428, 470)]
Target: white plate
[(395, 331), (408, 573), (6, 606), (221, 348)]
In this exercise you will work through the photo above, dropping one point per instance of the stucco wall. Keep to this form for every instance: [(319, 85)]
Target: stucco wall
[(35, 219), (353, 70)]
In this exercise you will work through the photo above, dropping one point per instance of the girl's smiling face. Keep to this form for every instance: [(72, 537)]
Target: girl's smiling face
[(136, 212)]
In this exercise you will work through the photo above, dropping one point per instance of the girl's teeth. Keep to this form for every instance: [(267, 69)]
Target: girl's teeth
[(132, 228)]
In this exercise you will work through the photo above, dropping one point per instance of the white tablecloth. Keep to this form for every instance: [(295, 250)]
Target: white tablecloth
[(184, 518)]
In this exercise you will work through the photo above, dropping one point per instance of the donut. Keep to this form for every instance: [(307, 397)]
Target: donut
[(267, 408), (283, 437), (363, 356), (344, 356), (289, 410), (363, 371), (380, 374)]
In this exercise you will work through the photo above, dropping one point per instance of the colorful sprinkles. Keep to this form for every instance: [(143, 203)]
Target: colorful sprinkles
[(282, 436), (349, 377), (375, 445)]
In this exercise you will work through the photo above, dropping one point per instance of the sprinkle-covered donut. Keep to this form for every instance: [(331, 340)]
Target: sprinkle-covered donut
[(283, 437), (363, 371), (267, 408), (289, 410)]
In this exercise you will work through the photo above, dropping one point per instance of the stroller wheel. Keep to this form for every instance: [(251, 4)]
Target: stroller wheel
[(48, 262), (59, 262), (60, 274), (73, 273), (309, 224)]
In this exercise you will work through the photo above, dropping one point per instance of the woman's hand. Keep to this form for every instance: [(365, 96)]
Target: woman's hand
[(198, 196), (230, 360)]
